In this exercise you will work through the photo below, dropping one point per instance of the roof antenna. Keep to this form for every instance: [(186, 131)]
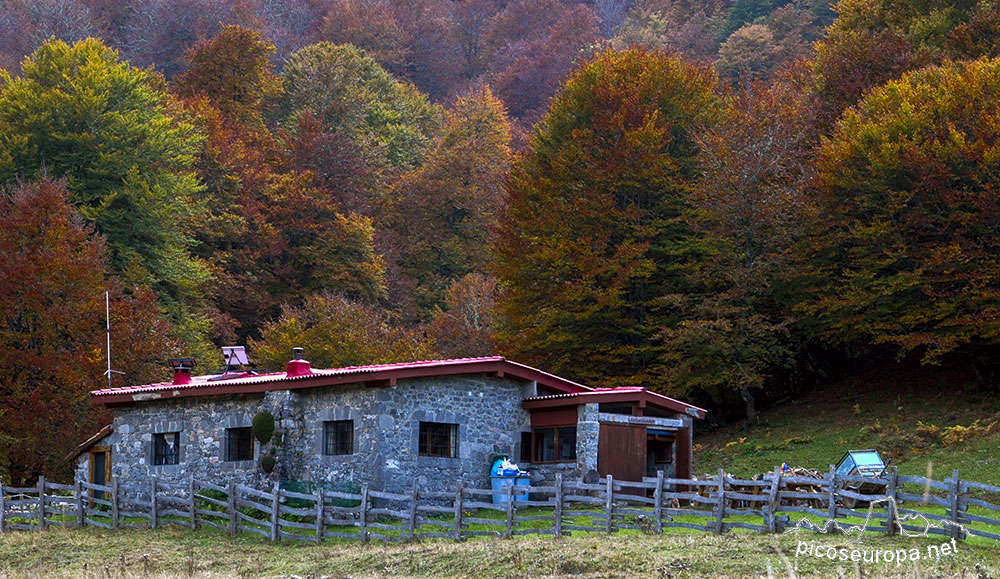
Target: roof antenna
[(107, 319)]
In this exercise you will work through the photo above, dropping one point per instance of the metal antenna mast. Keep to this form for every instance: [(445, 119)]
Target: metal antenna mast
[(107, 319)]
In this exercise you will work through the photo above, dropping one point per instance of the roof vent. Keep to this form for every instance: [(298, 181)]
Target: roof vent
[(297, 366), (182, 369)]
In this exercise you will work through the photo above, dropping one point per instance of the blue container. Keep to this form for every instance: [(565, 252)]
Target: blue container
[(501, 478)]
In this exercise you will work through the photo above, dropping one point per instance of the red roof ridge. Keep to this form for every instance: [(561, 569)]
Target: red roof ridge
[(205, 385)]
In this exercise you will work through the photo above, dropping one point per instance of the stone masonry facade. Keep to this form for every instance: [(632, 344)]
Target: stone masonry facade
[(386, 421)]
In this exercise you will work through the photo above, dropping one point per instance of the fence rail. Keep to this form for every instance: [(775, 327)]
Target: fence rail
[(953, 507)]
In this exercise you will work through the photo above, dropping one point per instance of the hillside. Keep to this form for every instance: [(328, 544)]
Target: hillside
[(914, 416)]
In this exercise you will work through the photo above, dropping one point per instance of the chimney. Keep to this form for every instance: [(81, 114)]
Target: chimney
[(182, 369), (297, 366)]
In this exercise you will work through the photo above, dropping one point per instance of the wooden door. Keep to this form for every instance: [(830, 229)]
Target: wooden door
[(621, 451), (100, 468)]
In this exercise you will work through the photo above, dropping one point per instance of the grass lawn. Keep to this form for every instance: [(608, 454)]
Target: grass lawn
[(174, 552), (901, 412)]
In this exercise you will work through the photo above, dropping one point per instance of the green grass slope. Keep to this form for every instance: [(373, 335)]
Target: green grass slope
[(921, 418)]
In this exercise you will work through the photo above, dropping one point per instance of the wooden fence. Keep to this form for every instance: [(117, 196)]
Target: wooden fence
[(712, 504)]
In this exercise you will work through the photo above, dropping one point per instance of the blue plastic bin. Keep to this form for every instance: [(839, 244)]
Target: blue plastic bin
[(501, 479)]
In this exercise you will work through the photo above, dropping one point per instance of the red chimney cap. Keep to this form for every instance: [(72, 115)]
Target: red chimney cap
[(297, 366)]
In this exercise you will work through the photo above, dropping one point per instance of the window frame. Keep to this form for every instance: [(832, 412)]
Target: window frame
[(426, 443), (246, 431), (328, 426), (536, 439), (160, 456)]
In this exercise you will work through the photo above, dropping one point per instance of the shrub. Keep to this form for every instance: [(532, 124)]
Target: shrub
[(263, 427)]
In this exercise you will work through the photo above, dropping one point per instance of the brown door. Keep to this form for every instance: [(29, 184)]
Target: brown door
[(621, 451), (683, 444), (100, 468)]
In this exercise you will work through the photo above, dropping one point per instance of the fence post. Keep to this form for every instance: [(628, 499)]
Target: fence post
[(153, 515), (3, 511), (232, 507), (412, 526), (364, 513), (275, 511), (658, 502), (41, 503), (832, 496), (80, 506), (891, 493), (510, 510), (458, 510), (720, 507), (956, 532), (772, 501), (559, 505), (114, 503), (191, 507), (609, 503), (320, 501)]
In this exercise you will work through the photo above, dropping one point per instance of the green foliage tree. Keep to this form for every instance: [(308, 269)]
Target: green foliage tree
[(442, 214), (350, 93), (108, 129), (593, 241), (275, 232), (906, 251), (339, 332), (874, 41)]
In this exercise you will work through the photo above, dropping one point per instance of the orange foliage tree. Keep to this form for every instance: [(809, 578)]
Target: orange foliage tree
[(593, 243), (906, 252)]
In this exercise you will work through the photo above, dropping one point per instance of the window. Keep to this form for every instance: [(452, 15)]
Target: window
[(525, 447), (166, 448), (338, 437), (556, 444), (438, 439), (239, 444)]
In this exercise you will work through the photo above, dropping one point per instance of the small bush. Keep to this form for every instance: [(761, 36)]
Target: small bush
[(958, 434), (267, 463), (263, 426), (928, 431)]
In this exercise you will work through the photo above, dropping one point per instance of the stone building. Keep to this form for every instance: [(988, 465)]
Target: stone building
[(393, 426)]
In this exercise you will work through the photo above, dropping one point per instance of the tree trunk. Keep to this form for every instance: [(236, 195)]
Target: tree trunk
[(748, 401)]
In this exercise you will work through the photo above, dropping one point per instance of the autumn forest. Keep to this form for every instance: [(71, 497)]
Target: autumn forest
[(728, 201)]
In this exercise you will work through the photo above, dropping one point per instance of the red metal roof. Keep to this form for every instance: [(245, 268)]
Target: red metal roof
[(621, 394), (374, 375), (90, 442)]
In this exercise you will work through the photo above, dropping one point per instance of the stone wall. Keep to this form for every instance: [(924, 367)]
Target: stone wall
[(202, 423), (486, 409)]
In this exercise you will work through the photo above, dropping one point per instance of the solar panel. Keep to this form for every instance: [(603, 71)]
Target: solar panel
[(235, 355)]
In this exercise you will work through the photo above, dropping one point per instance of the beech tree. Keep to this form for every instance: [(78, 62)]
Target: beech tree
[(872, 42), (906, 250), (748, 209), (441, 216), (52, 352), (339, 332), (110, 131), (350, 93), (464, 326), (274, 236), (593, 240)]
